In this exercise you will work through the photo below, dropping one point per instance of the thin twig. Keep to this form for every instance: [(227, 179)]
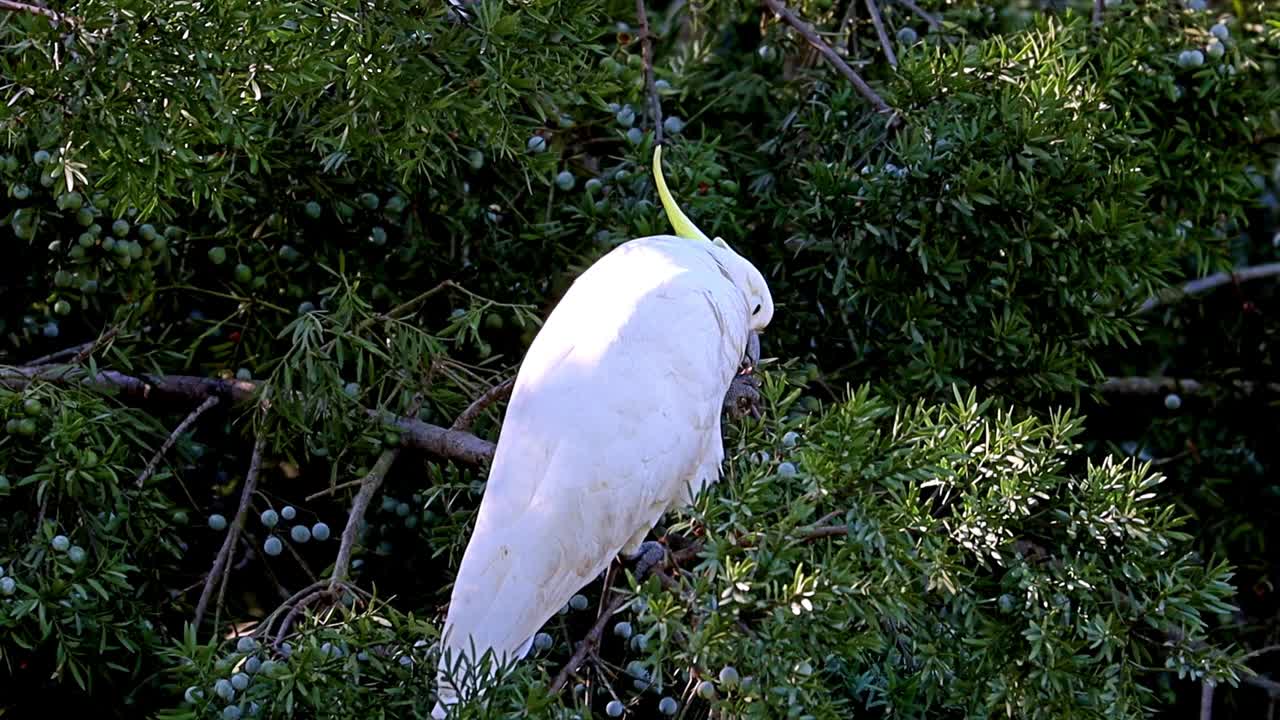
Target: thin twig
[(183, 426), (1260, 651), (646, 50), (885, 42), (77, 352), (928, 17), (1196, 287), (368, 488), (490, 396), (588, 644), (53, 15), (831, 56), (1206, 689), (223, 558)]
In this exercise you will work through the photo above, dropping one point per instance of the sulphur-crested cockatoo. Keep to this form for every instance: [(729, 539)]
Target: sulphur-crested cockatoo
[(614, 419)]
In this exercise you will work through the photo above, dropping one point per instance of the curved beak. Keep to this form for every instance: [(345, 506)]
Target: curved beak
[(752, 359)]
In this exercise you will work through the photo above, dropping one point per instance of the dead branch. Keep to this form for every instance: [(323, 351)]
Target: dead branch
[(1196, 287), (1097, 23), (452, 444), (183, 426), (223, 558), (468, 417), (883, 34), (1206, 687), (646, 51), (832, 57)]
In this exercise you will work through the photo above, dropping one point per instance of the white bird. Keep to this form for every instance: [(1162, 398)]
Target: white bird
[(614, 419)]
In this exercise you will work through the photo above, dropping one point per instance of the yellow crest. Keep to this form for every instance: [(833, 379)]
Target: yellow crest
[(683, 226)]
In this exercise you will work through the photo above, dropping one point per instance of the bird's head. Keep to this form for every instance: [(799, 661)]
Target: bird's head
[(744, 275)]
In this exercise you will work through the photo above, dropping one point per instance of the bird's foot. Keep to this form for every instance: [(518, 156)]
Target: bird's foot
[(648, 556), (743, 397)]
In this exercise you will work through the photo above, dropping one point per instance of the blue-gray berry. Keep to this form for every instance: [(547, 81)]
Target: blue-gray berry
[(217, 522), (635, 136), (240, 681), (60, 543), (252, 665), (668, 706), (565, 180), (623, 630), (908, 36), (673, 124), (578, 602), (224, 690), (542, 641), (231, 712), (614, 708), (786, 470), (8, 586), (246, 645), (1172, 401), (76, 554), (272, 546), (320, 531), (300, 533), (288, 512), (270, 518), (537, 144)]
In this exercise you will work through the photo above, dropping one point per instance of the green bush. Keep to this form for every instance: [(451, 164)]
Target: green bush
[(317, 212)]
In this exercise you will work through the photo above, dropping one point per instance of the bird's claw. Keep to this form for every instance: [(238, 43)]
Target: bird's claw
[(649, 556), (743, 397)]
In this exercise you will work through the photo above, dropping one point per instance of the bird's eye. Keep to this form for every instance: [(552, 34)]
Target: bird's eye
[(756, 311)]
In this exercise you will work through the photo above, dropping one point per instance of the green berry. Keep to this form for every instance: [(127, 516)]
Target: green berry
[(369, 201), (32, 407), (217, 522), (120, 228), (180, 518), (76, 554), (89, 287), (84, 217), (172, 232), (70, 201), (217, 255), (134, 249), (313, 209), (396, 204), (148, 232), (87, 240), (403, 509), (243, 273), (378, 236)]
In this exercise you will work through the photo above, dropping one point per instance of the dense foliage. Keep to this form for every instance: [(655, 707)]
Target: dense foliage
[(343, 221)]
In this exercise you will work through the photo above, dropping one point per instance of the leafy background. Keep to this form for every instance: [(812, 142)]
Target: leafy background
[(982, 483)]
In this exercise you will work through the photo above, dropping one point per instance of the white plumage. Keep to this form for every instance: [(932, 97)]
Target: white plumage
[(615, 413)]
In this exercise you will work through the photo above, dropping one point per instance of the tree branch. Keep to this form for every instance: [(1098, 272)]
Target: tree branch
[(926, 16), (150, 469), (1164, 385), (53, 15), (368, 488), (1206, 687), (883, 34), (223, 558), (1196, 287), (588, 644), (646, 50), (832, 57), (494, 394), (452, 444), (1097, 23)]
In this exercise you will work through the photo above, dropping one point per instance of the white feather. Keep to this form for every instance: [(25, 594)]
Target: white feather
[(614, 414)]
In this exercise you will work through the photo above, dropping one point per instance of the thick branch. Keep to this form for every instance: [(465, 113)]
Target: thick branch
[(1097, 23), (1196, 287), (646, 50), (883, 34), (223, 558), (453, 444), (831, 55), (190, 420), (1206, 687)]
